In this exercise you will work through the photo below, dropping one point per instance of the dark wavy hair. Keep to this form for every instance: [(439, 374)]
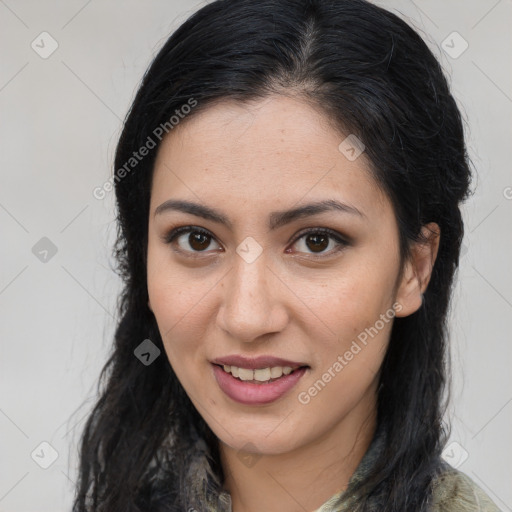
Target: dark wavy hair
[(373, 76)]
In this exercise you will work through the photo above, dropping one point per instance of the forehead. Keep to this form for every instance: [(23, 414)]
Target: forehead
[(275, 151)]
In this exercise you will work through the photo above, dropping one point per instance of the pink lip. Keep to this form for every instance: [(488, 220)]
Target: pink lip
[(251, 393), (254, 363)]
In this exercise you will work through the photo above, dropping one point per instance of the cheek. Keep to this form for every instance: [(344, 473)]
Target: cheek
[(354, 298), (357, 307), (178, 314), (175, 302), (180, 329), (348, 364), (173, 292)]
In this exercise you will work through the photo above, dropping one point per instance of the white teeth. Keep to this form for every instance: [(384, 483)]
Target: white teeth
[(276, 372), (260, 375), (245, 374)]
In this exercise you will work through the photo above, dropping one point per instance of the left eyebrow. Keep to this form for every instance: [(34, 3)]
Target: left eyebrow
[(276, 219)]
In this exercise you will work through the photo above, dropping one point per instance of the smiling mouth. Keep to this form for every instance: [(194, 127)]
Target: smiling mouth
[(260, 375)]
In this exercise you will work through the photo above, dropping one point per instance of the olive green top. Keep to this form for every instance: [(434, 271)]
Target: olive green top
[(453, 492)]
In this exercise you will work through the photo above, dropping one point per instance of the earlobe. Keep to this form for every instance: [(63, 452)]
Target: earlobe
[(418, 270)]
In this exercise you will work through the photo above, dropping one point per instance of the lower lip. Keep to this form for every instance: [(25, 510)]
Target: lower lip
[(250, 393)]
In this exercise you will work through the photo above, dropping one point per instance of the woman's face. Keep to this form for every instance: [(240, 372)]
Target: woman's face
[(248, 279)]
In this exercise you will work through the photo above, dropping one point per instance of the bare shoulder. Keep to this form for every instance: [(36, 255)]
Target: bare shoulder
[(454, 491)]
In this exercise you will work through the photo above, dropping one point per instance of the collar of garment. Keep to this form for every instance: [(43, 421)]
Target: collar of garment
[(453, 490)]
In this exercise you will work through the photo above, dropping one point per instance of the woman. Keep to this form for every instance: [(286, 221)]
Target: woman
[(288, 184)]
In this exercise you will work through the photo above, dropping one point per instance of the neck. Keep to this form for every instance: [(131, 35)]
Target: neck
[(305, 478)]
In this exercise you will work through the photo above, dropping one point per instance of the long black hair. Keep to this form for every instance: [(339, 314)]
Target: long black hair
[(373, 76)]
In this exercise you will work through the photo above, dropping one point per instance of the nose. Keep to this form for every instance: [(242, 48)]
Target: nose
[(252, 305)]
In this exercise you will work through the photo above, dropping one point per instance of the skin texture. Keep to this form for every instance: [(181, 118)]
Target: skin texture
[(295, 301)]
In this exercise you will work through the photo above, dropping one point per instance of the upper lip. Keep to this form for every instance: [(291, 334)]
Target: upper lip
[(254, 363)]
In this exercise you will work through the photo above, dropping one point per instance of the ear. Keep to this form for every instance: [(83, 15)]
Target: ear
[(418, 270)]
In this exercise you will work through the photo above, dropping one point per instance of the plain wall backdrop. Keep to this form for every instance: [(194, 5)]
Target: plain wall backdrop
[(68, 73)]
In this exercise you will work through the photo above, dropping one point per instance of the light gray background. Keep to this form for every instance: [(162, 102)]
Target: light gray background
[(60, 120)]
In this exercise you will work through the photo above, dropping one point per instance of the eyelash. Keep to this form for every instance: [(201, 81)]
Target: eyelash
[(342, 242)]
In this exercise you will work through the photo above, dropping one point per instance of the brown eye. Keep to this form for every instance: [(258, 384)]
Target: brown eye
[(197, 239), (317, 242)]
